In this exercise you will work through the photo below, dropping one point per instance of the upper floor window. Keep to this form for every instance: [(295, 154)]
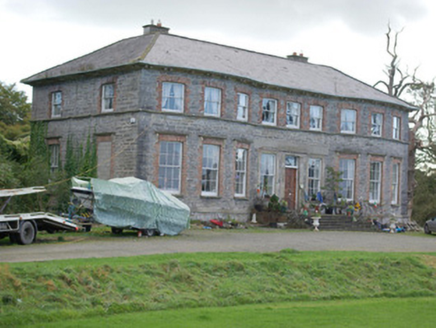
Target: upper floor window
[(348, 121), (241, 172), (293, 112), (375, 181), (170, 166), (269, 111), (315, 122), (172, 96), (212, 101), (267, 174), (396, 128), (210, 170), (346, 185), (376, 124), (107, 99), (242, 114), (314, 177), (56, 104)]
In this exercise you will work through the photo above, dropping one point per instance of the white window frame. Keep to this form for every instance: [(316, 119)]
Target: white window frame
[(267, 171), (54, 156), (316, 117), (348, 121), (396, 122), (212, 101), (170, 162), (375, 181), (56, 104), (293, 109), (313, 176), (173, 97), (376, 124), (347, 167), (107, 99), (241, 172), (242, 110), (291, 161), (268, 112), (210, 167), (395, 183)]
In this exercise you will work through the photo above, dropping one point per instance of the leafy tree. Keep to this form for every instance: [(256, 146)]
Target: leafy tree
[(424, 202), (14, 112)]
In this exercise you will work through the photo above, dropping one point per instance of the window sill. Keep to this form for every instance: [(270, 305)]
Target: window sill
[(242, 198), (210, 197)]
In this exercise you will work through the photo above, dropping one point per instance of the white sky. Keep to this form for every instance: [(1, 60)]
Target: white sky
[(348, 35)]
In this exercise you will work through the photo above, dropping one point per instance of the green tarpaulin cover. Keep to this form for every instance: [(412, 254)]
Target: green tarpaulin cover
[(134, 203)]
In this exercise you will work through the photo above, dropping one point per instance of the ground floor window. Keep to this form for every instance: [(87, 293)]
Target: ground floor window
[(346, 186), (241, 172), (314, 176), (375, 181), (54, 157), (395, 183), (267, 174), (210, 170), (170, 166)]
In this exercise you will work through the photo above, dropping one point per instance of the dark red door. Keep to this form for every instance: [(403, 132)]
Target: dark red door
[(290, 187)]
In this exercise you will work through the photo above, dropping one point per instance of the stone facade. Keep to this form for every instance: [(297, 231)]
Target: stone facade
[(130, 134)]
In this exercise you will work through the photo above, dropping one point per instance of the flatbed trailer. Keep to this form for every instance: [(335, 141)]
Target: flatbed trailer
[(22, 228)]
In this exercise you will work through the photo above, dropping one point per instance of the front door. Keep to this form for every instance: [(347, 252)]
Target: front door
[(291, 187)]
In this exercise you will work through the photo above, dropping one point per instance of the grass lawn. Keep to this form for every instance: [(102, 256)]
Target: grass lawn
[(215, 283), (402, 312)]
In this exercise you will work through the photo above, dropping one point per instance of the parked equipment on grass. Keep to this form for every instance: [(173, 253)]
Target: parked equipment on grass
[(23, 227)]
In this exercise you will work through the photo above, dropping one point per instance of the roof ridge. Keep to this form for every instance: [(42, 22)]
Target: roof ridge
[(149, 46)]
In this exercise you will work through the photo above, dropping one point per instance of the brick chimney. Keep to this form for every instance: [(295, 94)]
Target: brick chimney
[(158, 28), (298, 58)]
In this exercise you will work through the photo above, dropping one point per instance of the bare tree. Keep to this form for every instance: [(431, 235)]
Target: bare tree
[(422, 124), (398, 81)]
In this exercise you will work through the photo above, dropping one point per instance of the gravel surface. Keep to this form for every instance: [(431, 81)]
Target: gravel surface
[(220, 241)]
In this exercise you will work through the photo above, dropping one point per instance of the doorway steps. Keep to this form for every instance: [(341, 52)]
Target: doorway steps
[(344, 223)]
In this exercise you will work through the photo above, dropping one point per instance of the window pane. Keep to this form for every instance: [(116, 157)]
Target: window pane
[(210, 169), (348, 121), (376, 124), (172, 96), (170, 164), (314, 175), (240, 170), (212, 101), (375, 181), (293, 114), (242, 113), (315, 121), (346, 186), (267, 174), (269, 111)]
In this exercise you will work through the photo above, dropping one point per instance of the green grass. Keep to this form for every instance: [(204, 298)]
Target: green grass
[(405, 312), (52, 291)]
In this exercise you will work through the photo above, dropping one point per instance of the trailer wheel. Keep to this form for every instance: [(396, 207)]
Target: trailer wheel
[(27, 233), (117, 231)]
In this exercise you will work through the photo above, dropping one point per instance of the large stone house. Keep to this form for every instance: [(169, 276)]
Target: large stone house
[(219, 126)]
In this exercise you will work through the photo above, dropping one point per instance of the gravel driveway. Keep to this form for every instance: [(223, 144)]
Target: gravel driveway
[(221, 241)]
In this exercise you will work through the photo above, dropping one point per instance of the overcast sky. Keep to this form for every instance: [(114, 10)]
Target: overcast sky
[(348, 35)]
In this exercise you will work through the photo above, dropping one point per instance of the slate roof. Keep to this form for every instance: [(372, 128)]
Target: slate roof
[(169, 50)]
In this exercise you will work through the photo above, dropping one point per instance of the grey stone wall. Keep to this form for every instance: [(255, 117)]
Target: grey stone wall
[(137, 122)]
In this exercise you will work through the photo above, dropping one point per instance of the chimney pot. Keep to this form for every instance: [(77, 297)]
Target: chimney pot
[(298, 58)]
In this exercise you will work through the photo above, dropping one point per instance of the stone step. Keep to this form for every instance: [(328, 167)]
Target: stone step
[(343, 223)]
